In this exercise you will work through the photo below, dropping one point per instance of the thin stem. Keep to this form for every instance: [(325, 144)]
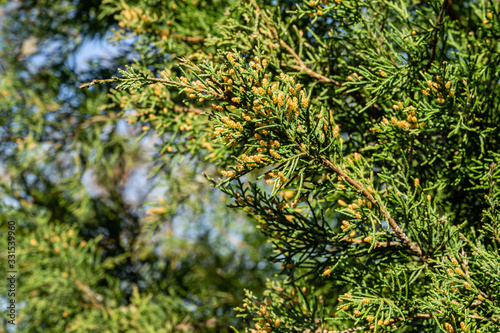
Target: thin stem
[(435, 34), (189, 39), (399, 232), (153, 79), (387, 244), (319, 330), (301, 66)]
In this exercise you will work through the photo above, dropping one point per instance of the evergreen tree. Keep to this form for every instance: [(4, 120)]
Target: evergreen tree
[(362, 136)]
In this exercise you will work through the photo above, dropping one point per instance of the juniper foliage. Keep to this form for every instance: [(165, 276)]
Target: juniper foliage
[(362, 136)]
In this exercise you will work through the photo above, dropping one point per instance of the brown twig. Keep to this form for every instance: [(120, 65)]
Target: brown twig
[(189, 39), (301, 66), (91, 296), (387, 244), (95, 119), (310, 72), (399, 232), (319, 330), (435, 35), (90, 84)]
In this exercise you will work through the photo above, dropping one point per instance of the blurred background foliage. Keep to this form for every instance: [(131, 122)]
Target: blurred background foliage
[(107, 240)]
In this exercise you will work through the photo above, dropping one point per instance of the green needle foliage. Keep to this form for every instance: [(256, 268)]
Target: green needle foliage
[(362, 136)]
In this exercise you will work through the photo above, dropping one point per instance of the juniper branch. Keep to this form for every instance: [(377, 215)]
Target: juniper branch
[(301, 66), (399, 232), (319, 330), (435, 34), (189, 39), (147, 80)]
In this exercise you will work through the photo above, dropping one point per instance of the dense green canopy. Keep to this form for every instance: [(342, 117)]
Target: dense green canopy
[(361, 137)]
